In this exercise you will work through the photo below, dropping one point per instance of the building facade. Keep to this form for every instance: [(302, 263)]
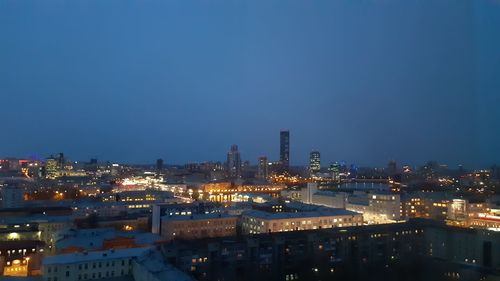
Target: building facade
[(198, 226), (314, 162)]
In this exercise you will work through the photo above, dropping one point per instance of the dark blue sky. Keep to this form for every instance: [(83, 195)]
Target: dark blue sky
[(362, 81)]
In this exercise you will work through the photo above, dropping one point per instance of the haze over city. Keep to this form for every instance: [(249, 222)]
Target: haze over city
[(362, 81)]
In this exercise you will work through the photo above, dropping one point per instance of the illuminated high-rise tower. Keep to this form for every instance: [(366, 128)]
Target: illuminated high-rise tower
[(52, 167), (285, 148), (314, 162)]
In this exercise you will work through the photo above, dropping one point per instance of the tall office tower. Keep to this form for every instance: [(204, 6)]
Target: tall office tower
[(159, 165), (52, 168), (60, 160), (262, 168), (234, 162), (335, 171), (285, 149), (314, 162)]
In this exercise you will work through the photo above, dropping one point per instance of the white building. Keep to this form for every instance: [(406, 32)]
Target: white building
[(256, 221), (330, 199)]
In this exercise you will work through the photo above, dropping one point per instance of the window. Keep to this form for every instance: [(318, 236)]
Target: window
[(67, 273)]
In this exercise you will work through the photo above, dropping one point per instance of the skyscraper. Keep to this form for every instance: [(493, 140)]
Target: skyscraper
[(262, 168), (335, 171), (285, 148), (60, 160), (314, 162), (52, 167), (234, 162), (159, 165)]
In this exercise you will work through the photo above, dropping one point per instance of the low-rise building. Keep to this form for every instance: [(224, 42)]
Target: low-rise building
[(90, 265), (198, 226)]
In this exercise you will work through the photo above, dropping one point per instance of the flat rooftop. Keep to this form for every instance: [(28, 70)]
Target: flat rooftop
[(94, 256), (295, 215)]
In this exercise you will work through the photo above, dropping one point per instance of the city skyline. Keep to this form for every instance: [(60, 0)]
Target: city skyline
[(283, 157), (249, 140)]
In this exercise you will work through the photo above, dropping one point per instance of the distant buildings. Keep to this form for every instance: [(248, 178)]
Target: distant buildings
[(285, 149), (262, 168), (234, 162), (226, 191), (314, 162)]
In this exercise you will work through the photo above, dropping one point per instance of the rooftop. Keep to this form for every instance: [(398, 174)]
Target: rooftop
[(94, 256), (293, 215)]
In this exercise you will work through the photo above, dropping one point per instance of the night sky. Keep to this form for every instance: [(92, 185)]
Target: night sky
[(362, 81)]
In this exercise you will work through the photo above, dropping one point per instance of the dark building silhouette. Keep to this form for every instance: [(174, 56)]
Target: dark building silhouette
[(285, 149), (159, 165)]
